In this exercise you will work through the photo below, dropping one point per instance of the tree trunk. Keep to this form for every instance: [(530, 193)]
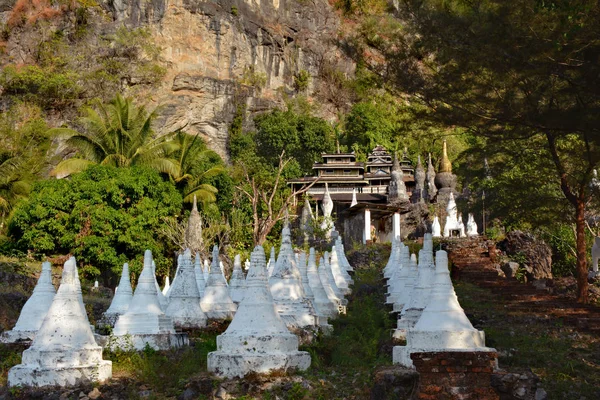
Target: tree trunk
[(582, 268)]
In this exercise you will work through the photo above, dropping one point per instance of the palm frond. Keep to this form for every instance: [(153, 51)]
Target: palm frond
[(70, 166)]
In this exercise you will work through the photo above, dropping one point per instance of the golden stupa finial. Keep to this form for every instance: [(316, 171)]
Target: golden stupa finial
[(445, 165)]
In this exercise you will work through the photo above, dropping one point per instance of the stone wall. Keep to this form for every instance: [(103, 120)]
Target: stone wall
[(455, 375)]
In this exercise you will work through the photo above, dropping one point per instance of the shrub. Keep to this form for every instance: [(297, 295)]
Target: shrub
[(104, 216)]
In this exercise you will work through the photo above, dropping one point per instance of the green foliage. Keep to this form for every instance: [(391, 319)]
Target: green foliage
[(301, 135), (24, 142), (234, 11), (165, 372), (42, 86), (104, 216), (118, 134), (9, 357), (302, 80), (254, 78)]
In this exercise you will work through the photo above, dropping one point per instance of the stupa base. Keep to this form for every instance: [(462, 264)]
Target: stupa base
[(401, 354), (35, 376), (220, 315), (17, 336), (182, 322), (229, 365), (157, 341)]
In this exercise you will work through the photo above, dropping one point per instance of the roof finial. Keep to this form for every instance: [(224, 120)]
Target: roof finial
[(445, 165)]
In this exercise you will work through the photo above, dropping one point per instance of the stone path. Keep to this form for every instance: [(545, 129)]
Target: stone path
[(473, 264)]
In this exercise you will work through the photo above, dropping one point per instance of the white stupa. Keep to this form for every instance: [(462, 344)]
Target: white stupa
[(222, 267), (167, 286), (206, 270), (121, 300), (272, 262), (179, 258), (443, 325), (286, 287), (419, 296), (303, 269), (237, 282), (436, 229), (199, 275), (35, 309), (145, 322), (453, 223), (216, 302), (392, 264), (409, 284), (471, 226), (326, 283), (338, 292), (338, 276), (345, 266), (327, 206), (162, 299), (354, 201), (184, 301), (257, 340), (397, 284), (64, 352), (322, 304), (342, 256)]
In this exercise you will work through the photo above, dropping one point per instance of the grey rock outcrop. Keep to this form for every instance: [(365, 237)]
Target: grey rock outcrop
[(537, 254)]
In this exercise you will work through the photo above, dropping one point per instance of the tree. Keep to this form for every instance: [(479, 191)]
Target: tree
[(23, 146), (509, 71), (269, 201), (302, 136), (104, 216), (195, 164), (119, 134)]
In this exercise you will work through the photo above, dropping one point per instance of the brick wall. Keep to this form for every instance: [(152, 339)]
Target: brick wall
[(459, 375)]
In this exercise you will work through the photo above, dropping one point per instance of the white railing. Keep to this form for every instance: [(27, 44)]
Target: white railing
[(382, 189)]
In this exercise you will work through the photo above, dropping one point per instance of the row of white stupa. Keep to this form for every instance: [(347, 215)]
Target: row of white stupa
[(64, 351), (430, 317), (454, 222)]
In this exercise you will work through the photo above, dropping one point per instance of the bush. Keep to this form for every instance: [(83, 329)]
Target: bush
[(104, 216)]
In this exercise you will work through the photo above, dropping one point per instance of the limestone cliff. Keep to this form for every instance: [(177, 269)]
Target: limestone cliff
[(222, 54)]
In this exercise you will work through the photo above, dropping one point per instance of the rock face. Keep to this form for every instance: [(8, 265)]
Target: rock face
[(64, 351), (257, 340), (35, 309), (214, 49), (538, 255)]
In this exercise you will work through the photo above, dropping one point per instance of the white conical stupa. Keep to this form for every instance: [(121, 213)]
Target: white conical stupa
[(436, 229), (345, 266), (397, 289), (272, 262), (166, 287), (216, 302), (145, 322), (237, 282), (162, 299), (443, 325), (420, 294), (471, 226), (409, 284), (336, 272), (325, 282), (339, 293), (179, 258), (200, 282), (257, 340), (322, 304), (206, 270), (121, 300), (286, 287), (184, 301), (64, 352), (35, 309)]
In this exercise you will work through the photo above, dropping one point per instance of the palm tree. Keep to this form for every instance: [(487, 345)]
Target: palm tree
[(13, 186), (194, 164), (118, 134)]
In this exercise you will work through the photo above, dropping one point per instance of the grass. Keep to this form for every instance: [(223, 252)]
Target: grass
[(567, 361)]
